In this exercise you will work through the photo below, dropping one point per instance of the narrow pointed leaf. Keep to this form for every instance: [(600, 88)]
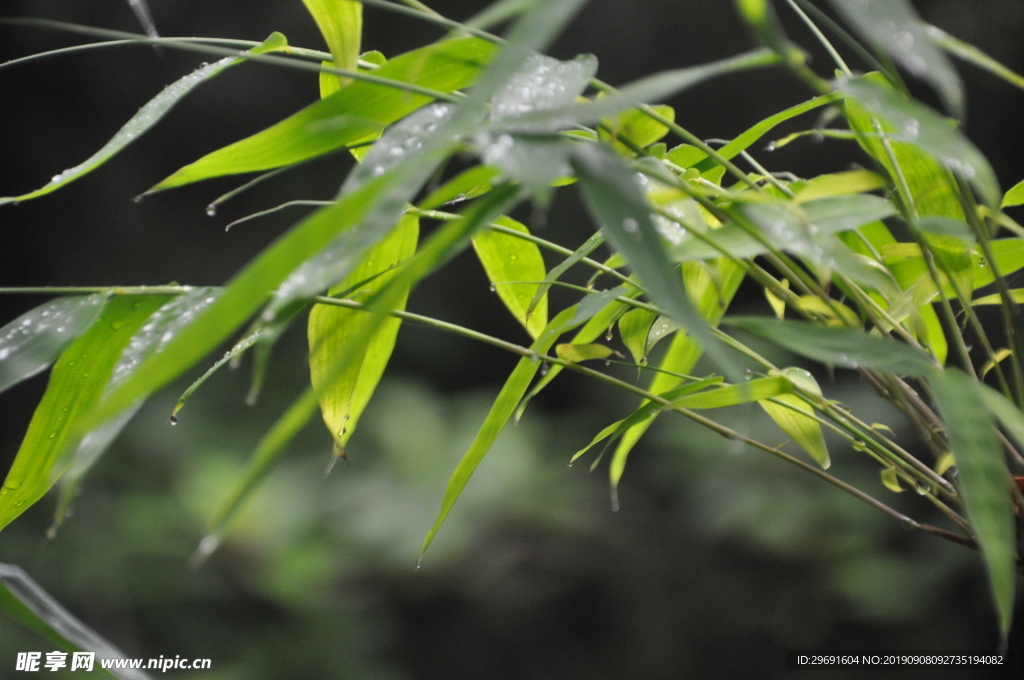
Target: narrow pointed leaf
[(357, 111), (984, 482), (895, 26), (844, 347), (733, 395), (341, 23), (33, 341), (916, 124), (683, 352), (267, 453), (794, 417), (148, 116), (576, 353), (509, 260), (343, 398), (76, 383), (614, 198), (502, 409), (25, 601), (159, 329), (634, 328)]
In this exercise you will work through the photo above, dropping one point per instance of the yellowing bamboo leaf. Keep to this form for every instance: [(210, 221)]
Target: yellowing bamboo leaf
[(891, 480), (509, 260), (794, 416), (587, 352), (344, 396)]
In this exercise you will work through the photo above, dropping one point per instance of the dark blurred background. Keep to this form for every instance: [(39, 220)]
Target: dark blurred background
[(720, 559)]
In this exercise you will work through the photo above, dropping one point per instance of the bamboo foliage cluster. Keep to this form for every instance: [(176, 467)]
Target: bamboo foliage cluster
[(879, 270)]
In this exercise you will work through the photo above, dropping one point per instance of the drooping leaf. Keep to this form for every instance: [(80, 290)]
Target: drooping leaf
[(844, 347), (636, 127), (634, 328), (159, 329), (33, 341), (984, 481), (616, 201), (916, 124), (509, 260), (76, 383), (148, 116), (501, 411), (25, 601), (895, 27), (345, 396), (712, 299), (267, 453), (795, 416), (341, 23), (357, 111)]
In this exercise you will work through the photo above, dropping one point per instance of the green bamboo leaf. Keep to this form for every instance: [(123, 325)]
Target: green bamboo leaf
[(502, 409), (972, 55), (702, 163), (984, 481), (840, 184), (344, 397), (844, 347), (470, 183), (254, 285), (794, 416), (916, 124), (26, 602), (733, 395), (31, 342), (712, 299), (891, 480), (1017, 295), (634, 329), (589, 246), (540, 85), (267, 453), (636, 127), (576, 353), (161, 326), (615, 199), (908, 267), (1013, 197), (799, 229), (341, 23), (76, 383), (357, 111), (509, 260), (895, 26), (1009, 414), (148, 116)]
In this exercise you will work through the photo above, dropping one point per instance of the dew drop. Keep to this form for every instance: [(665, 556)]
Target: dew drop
[(770, 147), (922, 488), (173, 420), (211, 210)]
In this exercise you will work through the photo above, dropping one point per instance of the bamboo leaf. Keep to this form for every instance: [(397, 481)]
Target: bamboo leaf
[(895, 26), (25, 601), (509, 260), (616, 201), (984, 481), (634, 328), (341, 23), (636, 127), (795, 417), (1014, 197), (357, 111), (33, 341), (920, 126), (502, 409), (148, 116), (683, 352), (733, 395), (76, 383), (844, 347), (576, 353), (344, 397)]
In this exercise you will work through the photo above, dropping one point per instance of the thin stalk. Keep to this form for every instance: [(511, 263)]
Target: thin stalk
[(718, 428), (825, 42), (225, 52)]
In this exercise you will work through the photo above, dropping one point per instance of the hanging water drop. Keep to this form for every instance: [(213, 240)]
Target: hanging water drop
[(211, 210), (173, 420)]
